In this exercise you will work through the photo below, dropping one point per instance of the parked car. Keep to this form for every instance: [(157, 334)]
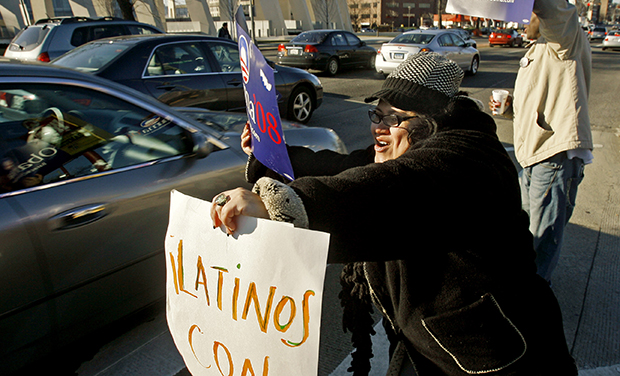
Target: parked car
[(49, 38), (184, 70), (526, 41), (597, 33), (505, 37), (442, 41), (466, 36), (612, 40), (87, 166), (327, 51)]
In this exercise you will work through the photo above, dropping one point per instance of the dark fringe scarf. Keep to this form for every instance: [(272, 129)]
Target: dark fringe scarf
[(357, 309)]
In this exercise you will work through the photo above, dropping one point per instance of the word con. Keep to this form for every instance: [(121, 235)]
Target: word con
[(218, 349)]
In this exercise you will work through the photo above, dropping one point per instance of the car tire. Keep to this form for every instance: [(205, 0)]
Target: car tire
[(491, 45), (473, 68), (371, 62), (332, 66), (301, 105), (604, 48)]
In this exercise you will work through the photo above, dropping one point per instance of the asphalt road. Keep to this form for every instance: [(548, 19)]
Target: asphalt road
[(586, 281)]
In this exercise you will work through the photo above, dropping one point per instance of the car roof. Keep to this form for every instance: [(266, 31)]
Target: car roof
[(145, 38), (324, 31), (18, 68), (83, 21), (426, 31)]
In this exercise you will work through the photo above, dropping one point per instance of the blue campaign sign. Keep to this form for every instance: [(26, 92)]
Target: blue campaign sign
[(505, 10), (262, 107)]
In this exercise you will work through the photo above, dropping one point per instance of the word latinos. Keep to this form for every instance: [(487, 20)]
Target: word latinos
[(201, 289)]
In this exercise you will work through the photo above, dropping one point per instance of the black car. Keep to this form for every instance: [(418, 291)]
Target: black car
[(190, 71), (327, 51)]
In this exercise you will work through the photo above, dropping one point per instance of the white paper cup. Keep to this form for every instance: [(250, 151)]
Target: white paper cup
[(500, 96)]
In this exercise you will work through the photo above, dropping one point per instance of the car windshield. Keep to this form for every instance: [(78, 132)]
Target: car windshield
[(91, 57), (414, 38), (309, 37), (29, 38)]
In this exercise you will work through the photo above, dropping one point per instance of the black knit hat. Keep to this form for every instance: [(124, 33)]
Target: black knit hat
[(424, 83)]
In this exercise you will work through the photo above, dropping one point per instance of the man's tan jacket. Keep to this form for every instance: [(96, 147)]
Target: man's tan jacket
[(552, 87)]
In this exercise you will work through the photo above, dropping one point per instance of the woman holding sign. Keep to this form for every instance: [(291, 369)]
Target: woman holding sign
[(429, 223)]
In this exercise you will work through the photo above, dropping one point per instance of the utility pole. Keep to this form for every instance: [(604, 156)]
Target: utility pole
[(409, 15)]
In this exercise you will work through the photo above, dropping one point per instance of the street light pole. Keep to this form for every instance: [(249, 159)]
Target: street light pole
[(409, 15)]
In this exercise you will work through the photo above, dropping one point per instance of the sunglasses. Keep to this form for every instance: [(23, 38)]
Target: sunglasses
[(389, 120)]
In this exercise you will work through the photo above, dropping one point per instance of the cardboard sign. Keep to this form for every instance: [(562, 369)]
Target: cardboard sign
[(262, 105), (506, 10), (248, 304)]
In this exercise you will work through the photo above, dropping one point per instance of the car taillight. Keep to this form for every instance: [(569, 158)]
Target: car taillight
[(426, 49), (44, 57), (508, 36), (281, 48), (310, 48)]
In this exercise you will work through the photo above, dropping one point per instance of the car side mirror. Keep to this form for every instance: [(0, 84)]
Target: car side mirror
[(362, 43), (205, 145)]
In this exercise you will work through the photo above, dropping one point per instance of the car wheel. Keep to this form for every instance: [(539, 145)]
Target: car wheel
[(300, 105), (491, 45), (604, 48), (332, 66), (371, 62), (473, 68)]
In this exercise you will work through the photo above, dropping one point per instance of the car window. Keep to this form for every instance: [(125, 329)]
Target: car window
[(413, 38), (309, 37), (446, 40), (352, 39), (178, 58), (456, 40), (50, 133), (91, 57), (139, 30), (338, 40), (29, 38), (85, 34), (227, 55)]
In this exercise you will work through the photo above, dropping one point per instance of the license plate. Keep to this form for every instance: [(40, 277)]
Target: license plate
[(399, 55), (293, 52)]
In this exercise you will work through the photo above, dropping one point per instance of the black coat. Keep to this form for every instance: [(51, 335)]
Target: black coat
[(446, 249)]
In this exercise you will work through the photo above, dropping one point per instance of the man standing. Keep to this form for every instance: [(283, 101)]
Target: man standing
[(552, 135), (223, 33)]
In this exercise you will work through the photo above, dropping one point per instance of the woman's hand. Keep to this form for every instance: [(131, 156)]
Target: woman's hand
[(495, 105), (233, 203), (246, 139)]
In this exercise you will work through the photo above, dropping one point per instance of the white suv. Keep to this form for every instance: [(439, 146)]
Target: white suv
[(49, 38)]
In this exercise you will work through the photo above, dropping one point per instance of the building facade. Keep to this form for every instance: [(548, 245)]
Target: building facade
[(391, 14)]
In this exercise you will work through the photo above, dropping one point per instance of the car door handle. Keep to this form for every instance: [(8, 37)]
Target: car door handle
[(166, 87), (234, 82), (79, 216)]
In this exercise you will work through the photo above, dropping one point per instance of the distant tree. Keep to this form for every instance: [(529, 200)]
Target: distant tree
[(126, 7), (323, 9)]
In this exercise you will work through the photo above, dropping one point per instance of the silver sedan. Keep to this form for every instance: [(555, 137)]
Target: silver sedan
[(444, 42), (612, 40), (87, 166)]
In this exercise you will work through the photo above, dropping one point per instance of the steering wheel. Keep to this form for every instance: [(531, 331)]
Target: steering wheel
[(60, 126)]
